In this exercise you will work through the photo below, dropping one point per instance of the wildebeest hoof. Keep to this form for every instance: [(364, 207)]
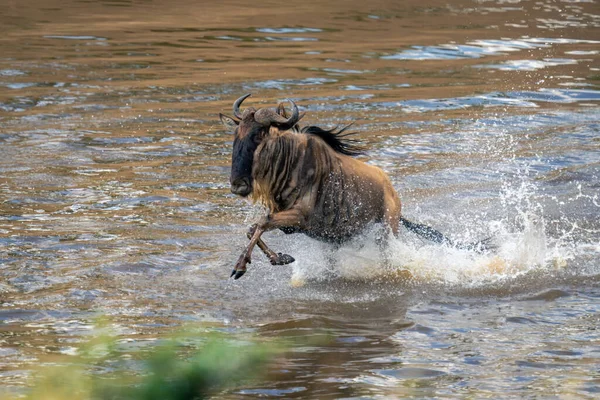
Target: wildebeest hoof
[(240, 266), (239, 274), (282, 259)]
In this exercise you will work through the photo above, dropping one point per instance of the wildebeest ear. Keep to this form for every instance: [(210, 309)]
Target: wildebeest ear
[(228, 121)]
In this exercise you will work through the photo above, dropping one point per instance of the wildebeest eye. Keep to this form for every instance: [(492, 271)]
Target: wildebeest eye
[(257, 136)]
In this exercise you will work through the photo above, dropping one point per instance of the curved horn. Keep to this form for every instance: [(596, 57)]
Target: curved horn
[(238, 103), (269, 116)]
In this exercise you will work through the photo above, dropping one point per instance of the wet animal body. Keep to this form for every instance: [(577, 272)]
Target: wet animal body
[(309, 181)]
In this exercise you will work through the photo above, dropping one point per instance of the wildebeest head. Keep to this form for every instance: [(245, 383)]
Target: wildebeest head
[(250, 128)]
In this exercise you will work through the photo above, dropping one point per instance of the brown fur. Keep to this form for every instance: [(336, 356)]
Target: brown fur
[(335, 195)]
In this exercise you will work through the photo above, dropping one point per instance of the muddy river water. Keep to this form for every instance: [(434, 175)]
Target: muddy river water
[(114, 192)]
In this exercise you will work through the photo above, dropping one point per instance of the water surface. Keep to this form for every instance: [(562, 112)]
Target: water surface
[(114, 194)]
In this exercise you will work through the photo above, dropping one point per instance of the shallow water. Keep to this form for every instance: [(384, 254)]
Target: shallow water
[(114, 194)]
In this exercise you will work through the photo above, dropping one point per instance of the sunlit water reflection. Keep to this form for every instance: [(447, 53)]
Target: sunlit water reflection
[(114, 195)]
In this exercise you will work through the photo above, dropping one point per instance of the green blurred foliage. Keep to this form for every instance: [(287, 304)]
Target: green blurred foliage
[(186, 366)]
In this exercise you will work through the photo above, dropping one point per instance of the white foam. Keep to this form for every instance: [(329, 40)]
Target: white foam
[(520, 241)]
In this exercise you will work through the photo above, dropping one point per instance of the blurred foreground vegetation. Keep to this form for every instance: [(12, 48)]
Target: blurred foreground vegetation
[(185, 366)]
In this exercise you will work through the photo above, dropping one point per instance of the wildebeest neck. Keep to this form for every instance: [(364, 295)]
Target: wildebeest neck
[(283, 169)]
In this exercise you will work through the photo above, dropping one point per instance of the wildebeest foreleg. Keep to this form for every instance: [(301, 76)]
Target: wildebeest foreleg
[(240, 265), (293, 218), (274, 258)]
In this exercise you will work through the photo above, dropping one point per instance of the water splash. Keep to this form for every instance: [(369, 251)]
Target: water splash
[(522, 247), (530, 226)]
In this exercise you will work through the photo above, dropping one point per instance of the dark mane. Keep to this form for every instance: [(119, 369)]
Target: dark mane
[(337, 139)]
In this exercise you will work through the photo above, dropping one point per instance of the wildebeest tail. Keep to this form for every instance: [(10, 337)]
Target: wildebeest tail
[(434, 235), (426, 232)]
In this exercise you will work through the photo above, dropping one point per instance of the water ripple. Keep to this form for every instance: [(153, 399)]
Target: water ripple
[(480, 48), (529, 65)]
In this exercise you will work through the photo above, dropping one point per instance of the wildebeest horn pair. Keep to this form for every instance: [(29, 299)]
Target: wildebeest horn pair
[(310, 182), (269, 116)]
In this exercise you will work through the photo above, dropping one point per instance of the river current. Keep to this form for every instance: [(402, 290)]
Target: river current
[(115, 200)]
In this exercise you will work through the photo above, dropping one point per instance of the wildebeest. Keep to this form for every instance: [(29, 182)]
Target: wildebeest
[(309, 181)]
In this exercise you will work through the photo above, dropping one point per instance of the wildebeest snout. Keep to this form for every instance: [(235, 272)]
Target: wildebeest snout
[(241, 187)]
